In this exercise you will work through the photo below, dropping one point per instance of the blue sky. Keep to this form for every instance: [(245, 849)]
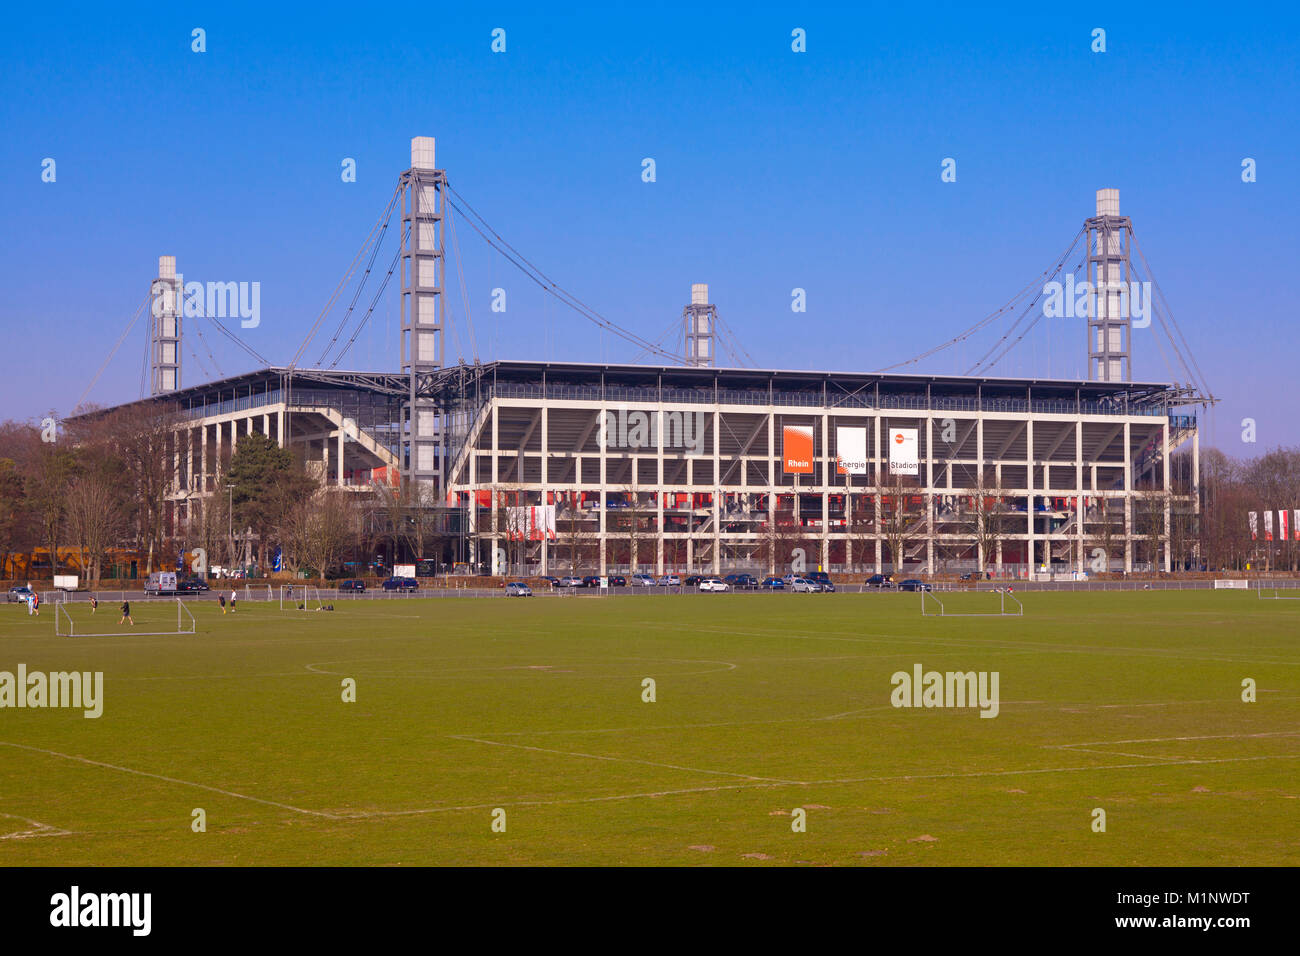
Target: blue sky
[(775, 170)]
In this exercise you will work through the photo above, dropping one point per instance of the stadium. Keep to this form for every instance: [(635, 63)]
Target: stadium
[(530, 467)]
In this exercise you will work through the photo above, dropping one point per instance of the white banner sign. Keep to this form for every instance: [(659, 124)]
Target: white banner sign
[(903, 459), (851, 451)]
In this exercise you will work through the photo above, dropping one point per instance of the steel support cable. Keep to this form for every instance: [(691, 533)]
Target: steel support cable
[(549, 285), (659, 340), (464, 294), (215, 364), (1195, 370), (984, 363), (383, 218), (375, 246), (992, 316), (373, 302), (566, 298), (113, 351), (735, 342)]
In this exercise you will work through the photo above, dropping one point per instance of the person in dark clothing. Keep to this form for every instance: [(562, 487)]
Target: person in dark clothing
[(126, 613)]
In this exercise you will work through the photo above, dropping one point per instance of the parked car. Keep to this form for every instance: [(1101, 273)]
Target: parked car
[(518, 589), (191, 586), (773, 584), (617, 581), (804, 586), (553, 582), (880, 581), (670, 581), (642, 581), (742, 582), (19, 592), (822, 578), (352, 584), (571, 581), (713, 584), (591, 581), (693, 581), (914, 584), (401, 584)]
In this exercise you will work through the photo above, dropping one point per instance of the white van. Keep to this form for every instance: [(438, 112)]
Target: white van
[(161, 582)]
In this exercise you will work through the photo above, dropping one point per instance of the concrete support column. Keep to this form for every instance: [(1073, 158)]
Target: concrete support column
[(717, 493), (929, 494), (1165, 491), (1128, 499), (1079, 510), (1031, 544), (659, 490)]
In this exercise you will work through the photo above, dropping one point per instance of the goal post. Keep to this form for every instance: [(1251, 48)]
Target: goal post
[(1008, 604), (299, 597), (75, 619), (1277, 590)]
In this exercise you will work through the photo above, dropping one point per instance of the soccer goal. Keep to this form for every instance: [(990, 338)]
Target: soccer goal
[(260, 592), (75, 619), (1008, 604), (1280, 590), (297, 597)]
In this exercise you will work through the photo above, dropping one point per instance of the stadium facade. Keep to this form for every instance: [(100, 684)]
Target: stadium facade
[(539, 466), (566, 465)]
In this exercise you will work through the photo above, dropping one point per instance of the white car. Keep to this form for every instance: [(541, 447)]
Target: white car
[(803, 584), (714, 584)]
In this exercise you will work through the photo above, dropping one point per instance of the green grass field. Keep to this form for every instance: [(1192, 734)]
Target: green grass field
[(1129, 702)]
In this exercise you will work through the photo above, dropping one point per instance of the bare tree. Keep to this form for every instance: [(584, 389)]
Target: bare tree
[(900, 522)]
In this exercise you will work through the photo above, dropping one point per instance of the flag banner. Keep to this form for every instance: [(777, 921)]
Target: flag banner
[(1254, 526), (850, 451), (797, 449), (1268, 526), (903, 458), (1295, 524), (1281, 526)]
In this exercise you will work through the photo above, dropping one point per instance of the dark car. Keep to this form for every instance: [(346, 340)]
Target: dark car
[(880, 581), (617, 581), (742, 582), (914, 584), (822, 578), (591, 581), (18, 593), (401, 584), (693, 581), (352, 585), (552, 581), (191, 586), (773, 584)]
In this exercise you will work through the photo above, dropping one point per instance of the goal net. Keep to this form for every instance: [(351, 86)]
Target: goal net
[(996, 603), (297, 597), (1277, 590), (151, 616)]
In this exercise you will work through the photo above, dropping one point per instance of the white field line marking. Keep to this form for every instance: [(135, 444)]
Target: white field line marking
[(648, 763), (869, 638), (748, 786), (158, 776), (878, 710), (317, 668), (36, 829), (1162, 740)]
